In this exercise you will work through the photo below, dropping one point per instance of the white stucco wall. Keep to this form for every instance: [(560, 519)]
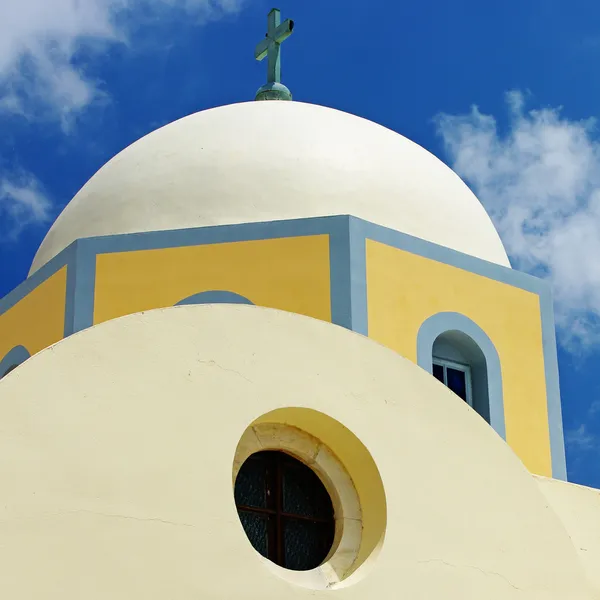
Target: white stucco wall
[(267, 161), (116, 454), (579, 509)]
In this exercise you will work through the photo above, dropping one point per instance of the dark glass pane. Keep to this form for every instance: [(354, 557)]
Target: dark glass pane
[(251, 484), (457, 382), (272, 484), (306, 544), (255, 526), (438, 372), (303, 492)]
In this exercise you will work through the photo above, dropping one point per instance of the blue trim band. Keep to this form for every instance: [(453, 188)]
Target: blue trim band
[(358, 277), (340, 269), (81, 279), (39, 277), (555, 420), (215, 297), (331, 225), (348, 276), (71, 289), (441, 254), (14, 357), (216, 234), (445, 322), (348, 237)]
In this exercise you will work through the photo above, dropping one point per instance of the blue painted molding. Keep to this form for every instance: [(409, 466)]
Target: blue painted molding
[(441, 254), (340, 273), (346, 232), (39, 277), (444, 322), (215, 234), (154, 240), (348, 273), (358, 276), (215, 297), (81, 280), (555, 421), (16, 356), (347, 235)]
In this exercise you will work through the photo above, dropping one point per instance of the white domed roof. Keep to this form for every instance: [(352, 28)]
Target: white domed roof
[(266, 161)]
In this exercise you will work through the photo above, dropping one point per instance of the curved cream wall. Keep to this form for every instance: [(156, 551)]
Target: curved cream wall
[(579, 509), (117, 448), (265, 161)]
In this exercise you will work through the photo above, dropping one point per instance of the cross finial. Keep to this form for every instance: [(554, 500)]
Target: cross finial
[(277, 32)]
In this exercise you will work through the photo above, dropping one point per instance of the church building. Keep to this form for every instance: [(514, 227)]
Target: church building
[(242, 369)]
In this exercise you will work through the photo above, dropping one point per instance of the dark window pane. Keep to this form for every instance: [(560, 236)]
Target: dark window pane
[(306, 544), (255, 526), (438, 372), (457, 382), (303, 492), (285, 510), (251, 484)]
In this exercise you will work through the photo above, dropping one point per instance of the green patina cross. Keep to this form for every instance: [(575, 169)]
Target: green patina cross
[(277, 32)]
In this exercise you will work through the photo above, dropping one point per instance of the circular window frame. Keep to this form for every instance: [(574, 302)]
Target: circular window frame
[(339, 485)]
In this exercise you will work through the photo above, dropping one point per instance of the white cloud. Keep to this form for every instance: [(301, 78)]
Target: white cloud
[(40, 38), (581, 440), (22, 203), (40, 79), (540, 182)]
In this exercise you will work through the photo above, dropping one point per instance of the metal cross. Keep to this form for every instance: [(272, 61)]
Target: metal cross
[(276, 33)]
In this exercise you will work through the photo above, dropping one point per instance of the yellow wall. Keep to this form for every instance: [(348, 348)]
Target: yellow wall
[(405, 289), (38, 319), (287, 273)]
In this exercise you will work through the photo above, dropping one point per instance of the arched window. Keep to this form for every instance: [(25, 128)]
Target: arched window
[(456, 376), (8, 370), (214, 297), (459, 353), (285, 510), (459, 363), (18, 355)]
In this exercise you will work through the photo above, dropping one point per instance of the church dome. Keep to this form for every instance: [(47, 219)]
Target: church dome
[(266, 161)]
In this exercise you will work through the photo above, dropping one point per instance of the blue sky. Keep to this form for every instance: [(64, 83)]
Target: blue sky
[(506, 93)]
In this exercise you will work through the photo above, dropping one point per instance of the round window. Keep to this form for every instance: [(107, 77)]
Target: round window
[(285, 510)]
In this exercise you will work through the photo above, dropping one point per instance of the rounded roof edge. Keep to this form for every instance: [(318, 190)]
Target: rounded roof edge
[(270, 161)]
